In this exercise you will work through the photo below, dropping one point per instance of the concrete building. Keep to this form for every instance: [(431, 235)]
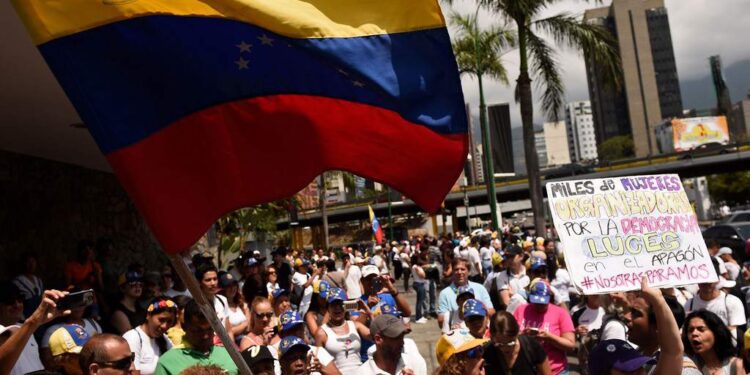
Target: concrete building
[(741, 116), (651, 90), (541, 146), (478, 160), (556, 142), (579, 124)]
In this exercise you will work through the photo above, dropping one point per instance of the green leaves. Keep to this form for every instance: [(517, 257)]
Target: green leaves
[(478, 51)]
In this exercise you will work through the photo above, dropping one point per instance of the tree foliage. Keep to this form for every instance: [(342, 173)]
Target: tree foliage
[(734, 188), (478, 51), (616, 148)]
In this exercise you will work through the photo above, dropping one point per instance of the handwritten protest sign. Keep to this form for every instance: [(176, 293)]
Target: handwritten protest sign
[(615, 230)]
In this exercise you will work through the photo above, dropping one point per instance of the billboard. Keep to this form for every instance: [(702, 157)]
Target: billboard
[(689, 133)]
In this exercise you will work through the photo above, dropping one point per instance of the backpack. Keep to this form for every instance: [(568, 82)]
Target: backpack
[(593, 337)]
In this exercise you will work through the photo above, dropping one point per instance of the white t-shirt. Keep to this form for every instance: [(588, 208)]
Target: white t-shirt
[(145, 348), (379, 262), (90, 326), (591, 318), (410, 358), (299, 279), (353, 290), (562, 285), (728, 307), (29, 360), (323, 356), (475, 263), (614, 330), (404, 259), (416, 277), (722, 266), (515, 283), (237, 316), (221, 305), (485, 254)]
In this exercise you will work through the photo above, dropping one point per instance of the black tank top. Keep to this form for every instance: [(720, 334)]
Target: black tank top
[(136, 317)]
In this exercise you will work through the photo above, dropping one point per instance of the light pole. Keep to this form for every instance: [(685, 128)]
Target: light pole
[(489, 170), (466, 204), (390, 216)]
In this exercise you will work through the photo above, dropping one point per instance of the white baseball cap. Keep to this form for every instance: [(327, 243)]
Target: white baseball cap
[(723, 251), (369, 270)]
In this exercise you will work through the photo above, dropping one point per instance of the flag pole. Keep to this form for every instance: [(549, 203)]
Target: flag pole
[(208, 311)]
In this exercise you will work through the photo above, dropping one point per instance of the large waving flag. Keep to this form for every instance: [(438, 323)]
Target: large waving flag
[(202, 107), (377, 230)]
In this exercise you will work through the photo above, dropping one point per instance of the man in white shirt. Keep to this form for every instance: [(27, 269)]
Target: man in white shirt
[(379, 261), (353, 274), (733, 269), (475, 263), (302, 280), (389, 357), (512, 282)]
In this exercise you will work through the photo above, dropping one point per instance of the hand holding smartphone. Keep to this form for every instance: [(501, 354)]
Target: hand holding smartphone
[(75, 300)]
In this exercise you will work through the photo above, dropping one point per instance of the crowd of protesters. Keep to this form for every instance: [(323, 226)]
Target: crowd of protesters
[(504, 304)]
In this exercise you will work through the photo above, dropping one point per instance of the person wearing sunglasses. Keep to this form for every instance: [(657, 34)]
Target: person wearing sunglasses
[(199, 346), (149, 340), (510, 353), (128, 313), (106, 354), (261, 325), (460, 353)]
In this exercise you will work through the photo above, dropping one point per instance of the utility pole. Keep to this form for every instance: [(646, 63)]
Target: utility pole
[(322, 196)]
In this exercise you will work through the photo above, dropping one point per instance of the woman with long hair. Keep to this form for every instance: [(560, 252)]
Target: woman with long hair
[(341, 337), (208, 276), (317, 314), (271, 276), (239, 314), (149, 340), (420, 286), (261, 325), (512, 353), (709, 343)]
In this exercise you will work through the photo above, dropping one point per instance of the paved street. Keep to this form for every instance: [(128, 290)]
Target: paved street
[(426, 335)]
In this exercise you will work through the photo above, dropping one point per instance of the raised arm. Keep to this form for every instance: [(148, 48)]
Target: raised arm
[(668, 334)]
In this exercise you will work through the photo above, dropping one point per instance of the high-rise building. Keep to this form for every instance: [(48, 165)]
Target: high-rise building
[(556, 142), (478, 161), (579, 124), (501, 138), (651, 89), (541, 146)]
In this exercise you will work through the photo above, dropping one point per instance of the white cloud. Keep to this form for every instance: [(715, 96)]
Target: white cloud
[(700, 28)]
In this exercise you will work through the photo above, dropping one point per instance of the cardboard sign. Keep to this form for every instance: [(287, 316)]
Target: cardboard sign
[(615, 230)]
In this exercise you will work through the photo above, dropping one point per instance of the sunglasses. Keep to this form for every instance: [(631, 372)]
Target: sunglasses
[(268, 315), (507, 344), (120, 364), (475, 352), (272, 273)]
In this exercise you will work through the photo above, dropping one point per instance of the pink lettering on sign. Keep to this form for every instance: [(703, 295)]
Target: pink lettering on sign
[(671, 223), (668, 183), (656, 275)]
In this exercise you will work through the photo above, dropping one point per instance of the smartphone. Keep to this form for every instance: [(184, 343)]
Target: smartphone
[(533, 331), (75, 300), (351, 305)]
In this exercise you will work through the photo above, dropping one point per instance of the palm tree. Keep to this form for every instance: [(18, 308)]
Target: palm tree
[(538, 57), (478, 53)]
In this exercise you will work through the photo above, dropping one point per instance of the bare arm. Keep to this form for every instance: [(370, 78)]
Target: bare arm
[(12, 348), (505, 296), (363, 330), (120, 322), (565, 342), (312, 325), (320, 338), (668, 334), (543, 368)]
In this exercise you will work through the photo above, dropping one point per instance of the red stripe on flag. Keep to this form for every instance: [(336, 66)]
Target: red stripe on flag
[(243, 153)]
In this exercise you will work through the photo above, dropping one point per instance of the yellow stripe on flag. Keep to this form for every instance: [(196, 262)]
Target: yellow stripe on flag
[(51, 19)]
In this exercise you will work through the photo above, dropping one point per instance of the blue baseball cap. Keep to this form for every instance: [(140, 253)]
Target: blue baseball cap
[(323, 289), (388, 309), (539, 293), (464, 289), (473, 307), (616, 354), (250, 261), (336, 294), (290, 342), (289, 319), (537, 263), (279, 292)]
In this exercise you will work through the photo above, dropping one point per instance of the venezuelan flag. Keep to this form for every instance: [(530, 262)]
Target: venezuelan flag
[(377, 230), (202, 107)]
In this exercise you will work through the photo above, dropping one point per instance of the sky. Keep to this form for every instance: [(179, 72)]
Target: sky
[(700, 28)]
